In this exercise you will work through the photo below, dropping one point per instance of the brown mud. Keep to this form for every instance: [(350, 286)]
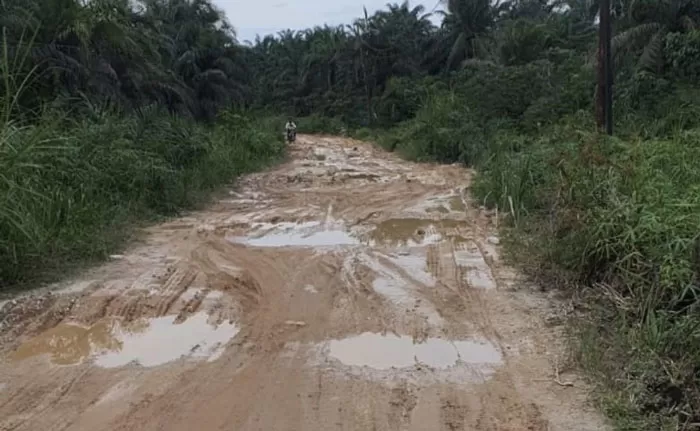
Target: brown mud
[(343, 290)]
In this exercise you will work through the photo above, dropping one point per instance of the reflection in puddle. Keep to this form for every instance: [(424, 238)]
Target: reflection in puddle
[(300, 235), (475, 271), (392, 232), (403, 289), (386, 352), (415, 266), (147, 342), (457, 204), (161, 341), (69, 344)]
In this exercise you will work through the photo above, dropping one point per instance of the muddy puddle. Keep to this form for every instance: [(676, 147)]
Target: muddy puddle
[(457, 204), (309, 234), (412, 231), (69, 344), (384, 352), (396, 232), (473, 267), (146, 342)]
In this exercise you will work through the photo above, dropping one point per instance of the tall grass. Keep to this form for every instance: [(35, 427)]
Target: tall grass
[(624, 218), (69, 189)]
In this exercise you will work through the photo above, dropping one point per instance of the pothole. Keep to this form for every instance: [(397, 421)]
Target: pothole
[(310, 234), (411, 231), (385, 352), (146, 342)]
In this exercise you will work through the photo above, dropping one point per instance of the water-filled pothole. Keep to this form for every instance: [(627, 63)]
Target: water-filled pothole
[(310, 234), (147, 342), (412, 231), (383, 352)]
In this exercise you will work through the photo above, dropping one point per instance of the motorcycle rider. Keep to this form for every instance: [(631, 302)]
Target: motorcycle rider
[(290, 126)]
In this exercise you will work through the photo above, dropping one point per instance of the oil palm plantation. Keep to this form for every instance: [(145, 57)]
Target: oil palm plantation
[(178, 53)]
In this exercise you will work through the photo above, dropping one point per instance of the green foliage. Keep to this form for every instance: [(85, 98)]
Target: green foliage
[(622, 216), (523, 41), (684, 54), (443, 130), (68, 190), (404, 96), (180, 54), (647, 26), (316, 124)]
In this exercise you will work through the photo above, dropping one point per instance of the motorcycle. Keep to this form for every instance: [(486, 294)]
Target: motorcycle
[(291, 135)]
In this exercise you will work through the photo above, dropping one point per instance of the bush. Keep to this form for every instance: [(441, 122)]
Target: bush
[(317, 124), (404, 96), (623, 216), (684, 55)]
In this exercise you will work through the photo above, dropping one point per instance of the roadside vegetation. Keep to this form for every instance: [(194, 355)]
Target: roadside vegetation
[(115, 111), (111, 115)]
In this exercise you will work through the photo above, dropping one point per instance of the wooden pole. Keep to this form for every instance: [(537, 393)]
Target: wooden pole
[(604, 114)]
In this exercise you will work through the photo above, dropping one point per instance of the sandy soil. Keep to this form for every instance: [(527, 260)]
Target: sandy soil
[(343, 290)]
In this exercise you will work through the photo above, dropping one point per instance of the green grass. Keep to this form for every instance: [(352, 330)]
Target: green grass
[(70, 190), (624, 218)]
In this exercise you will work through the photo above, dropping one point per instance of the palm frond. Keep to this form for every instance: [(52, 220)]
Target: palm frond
[(688, 23), (652, 58), (634, 37), (457, 52)]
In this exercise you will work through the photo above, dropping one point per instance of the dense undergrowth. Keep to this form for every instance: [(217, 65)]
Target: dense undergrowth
[(70, 189)]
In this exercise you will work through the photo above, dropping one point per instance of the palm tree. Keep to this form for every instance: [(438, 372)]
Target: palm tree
[(404, 33), (651, 22), (466, 25)]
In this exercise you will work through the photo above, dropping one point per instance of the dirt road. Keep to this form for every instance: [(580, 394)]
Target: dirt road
[(343, 290)]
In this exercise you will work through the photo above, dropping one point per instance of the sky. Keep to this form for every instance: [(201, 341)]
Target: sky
[(251, 17)]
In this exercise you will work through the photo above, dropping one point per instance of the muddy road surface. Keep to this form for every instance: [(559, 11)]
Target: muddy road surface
[(343, 290)]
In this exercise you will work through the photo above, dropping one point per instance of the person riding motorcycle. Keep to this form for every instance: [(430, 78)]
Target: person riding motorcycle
[(290, 127)]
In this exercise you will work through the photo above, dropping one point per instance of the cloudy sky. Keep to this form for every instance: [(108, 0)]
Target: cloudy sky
[(251, 17)]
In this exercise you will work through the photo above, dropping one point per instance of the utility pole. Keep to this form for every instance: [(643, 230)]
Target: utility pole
[(604, 114)]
